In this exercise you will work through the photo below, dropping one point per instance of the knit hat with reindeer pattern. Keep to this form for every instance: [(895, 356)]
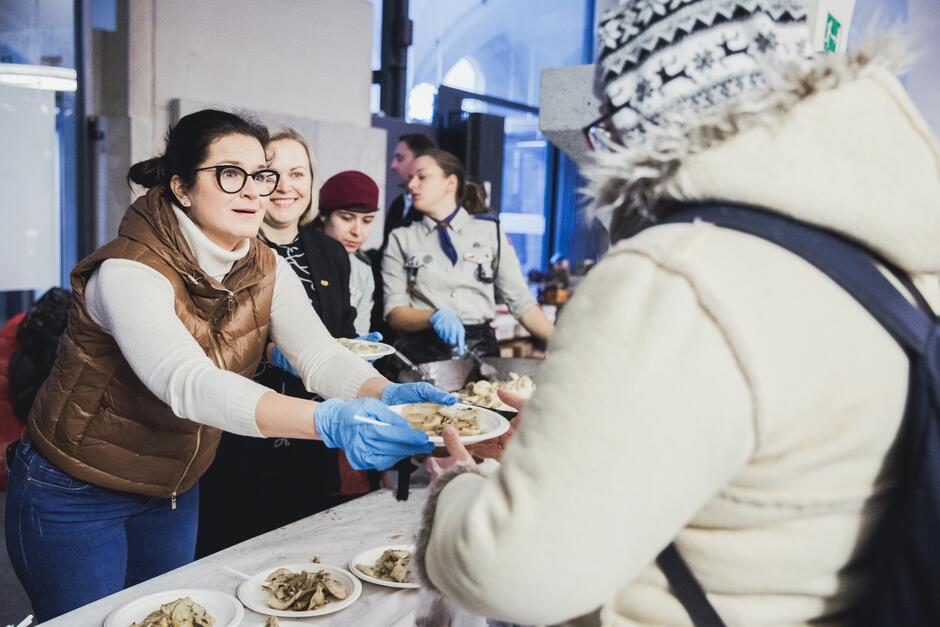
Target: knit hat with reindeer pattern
[(666, 64)]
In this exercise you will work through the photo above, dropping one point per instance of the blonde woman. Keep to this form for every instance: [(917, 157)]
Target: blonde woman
[(285, 479)]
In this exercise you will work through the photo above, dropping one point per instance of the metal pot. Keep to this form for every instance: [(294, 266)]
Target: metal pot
[(453, 374)]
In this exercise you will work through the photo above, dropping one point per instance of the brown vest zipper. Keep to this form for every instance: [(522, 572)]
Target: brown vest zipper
[(219, 363)]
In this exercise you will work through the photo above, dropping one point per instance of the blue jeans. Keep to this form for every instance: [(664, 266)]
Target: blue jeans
[(72, 543)]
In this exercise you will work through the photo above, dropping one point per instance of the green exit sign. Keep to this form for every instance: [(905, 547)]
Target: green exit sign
[(832, 34)]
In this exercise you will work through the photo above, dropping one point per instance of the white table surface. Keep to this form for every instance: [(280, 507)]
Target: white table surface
[(336, 535)]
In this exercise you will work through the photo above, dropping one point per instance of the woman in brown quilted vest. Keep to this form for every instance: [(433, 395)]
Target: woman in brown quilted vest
[(168, 323)]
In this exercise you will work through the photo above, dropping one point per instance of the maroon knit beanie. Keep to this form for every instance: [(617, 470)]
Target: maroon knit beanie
[(351, 191)]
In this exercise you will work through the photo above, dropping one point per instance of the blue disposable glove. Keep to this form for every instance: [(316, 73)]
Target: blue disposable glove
[(399, 393), (279, 360), (375, 336), (367, 445), (449, 328)]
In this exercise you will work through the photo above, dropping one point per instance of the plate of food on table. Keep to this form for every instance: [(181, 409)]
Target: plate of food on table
[(179, 608), (474, 424), (300, 590), (366, 349), (388, 565)]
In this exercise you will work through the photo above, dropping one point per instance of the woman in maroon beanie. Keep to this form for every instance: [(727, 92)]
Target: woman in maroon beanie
[(348, 204)]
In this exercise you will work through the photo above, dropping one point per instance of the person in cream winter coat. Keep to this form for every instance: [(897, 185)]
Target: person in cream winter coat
[(720, 392)]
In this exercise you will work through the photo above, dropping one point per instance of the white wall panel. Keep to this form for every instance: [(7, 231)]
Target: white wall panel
[(304, 63), (29, 178), (307, 58)]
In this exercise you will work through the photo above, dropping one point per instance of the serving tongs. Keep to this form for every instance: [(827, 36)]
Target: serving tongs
[(487, 371), (411, 366)]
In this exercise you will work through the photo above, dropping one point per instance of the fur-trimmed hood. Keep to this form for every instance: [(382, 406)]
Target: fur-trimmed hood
[(839, 144)]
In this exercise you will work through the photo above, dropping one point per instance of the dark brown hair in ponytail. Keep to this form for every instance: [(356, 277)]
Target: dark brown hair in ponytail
[(187, 144), (148, 173), (474, 197)]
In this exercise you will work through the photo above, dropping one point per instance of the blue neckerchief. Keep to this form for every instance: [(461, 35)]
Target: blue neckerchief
[(446, 244)]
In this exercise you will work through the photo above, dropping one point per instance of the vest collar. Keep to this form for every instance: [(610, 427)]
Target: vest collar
[(150, 221)]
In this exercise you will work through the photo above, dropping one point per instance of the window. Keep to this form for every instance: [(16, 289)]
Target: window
[(421, 103), (38, 167), (495, 47), (526, 171), (467, 75), (498, 48)]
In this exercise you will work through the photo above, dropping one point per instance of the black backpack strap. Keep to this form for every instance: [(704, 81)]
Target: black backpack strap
[(852, 267), (687, 589)]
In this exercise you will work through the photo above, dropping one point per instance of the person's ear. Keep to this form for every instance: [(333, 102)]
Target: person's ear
[(179, 190)]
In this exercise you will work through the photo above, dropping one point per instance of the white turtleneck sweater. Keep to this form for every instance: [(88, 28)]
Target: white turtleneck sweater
[(135, 304)]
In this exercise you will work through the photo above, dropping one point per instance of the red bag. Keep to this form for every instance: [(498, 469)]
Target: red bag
[(10, 427), (352, 482)]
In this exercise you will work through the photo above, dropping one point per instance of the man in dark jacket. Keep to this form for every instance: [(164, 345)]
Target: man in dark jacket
[(399, 213)]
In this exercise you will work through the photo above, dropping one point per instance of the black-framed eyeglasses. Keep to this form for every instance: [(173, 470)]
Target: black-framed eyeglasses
[(602, 133), (232, 178)]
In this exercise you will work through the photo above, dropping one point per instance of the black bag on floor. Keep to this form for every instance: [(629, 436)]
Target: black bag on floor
[(37, 345)]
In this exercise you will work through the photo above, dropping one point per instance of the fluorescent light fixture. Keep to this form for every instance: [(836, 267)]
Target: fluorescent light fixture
[(44, 77)]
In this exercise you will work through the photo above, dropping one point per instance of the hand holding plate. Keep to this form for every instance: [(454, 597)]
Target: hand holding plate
[(458, 453)]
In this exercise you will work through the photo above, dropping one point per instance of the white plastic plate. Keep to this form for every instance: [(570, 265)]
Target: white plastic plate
[(368, 558), (493, 425), (378, 349), (224, 608), (254, 596)]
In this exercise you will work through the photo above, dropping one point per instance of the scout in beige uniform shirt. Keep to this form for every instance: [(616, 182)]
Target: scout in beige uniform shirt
[(418, 274)]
